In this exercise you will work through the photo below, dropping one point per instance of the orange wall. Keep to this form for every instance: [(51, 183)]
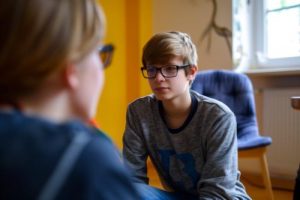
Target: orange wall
[(127, 28)]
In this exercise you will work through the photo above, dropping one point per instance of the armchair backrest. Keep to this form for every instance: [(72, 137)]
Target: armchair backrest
[(236, 91)]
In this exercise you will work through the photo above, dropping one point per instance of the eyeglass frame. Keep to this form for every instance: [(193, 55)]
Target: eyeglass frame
[(106, 49), (159, 69)]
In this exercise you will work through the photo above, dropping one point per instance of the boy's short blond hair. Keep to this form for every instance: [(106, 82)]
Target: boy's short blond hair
[(163, 46)]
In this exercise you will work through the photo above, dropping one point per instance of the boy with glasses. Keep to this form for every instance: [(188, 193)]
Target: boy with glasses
[(190, 138)]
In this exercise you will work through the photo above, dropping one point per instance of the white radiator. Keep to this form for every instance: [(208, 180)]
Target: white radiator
[(282, 123)]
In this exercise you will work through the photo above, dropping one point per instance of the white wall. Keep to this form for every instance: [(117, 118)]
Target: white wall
[(192, 17)]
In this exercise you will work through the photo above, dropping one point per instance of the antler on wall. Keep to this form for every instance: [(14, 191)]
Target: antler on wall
[(219, 30)]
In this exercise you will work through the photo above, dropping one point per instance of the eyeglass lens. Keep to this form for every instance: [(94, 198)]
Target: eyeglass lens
[(106, 53), (168, 71)]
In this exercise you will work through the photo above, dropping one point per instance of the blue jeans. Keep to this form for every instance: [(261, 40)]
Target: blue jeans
[(152, 193)]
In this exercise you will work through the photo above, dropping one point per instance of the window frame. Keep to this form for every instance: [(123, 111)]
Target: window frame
[(258, 49)]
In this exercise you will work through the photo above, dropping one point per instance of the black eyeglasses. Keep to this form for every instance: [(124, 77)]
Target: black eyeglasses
[(106, 53), (168, 71)]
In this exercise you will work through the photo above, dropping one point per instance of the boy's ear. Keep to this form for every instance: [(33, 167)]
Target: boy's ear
[(70, 76), (192, 72)]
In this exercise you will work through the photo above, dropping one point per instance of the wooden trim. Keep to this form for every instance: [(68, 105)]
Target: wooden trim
[(295, 102), (260, 154), (249, 153), (278, 183)]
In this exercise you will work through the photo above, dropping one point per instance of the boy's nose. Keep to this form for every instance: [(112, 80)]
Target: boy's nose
[(159, 76)]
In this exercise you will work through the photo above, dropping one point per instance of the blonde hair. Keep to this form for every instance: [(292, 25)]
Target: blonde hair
[(163, 46), (38, 38)]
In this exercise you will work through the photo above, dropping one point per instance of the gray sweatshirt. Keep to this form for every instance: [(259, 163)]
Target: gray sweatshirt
[(199, 158)]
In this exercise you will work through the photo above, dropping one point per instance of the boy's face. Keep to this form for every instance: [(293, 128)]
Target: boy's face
[(91, 78), (169, 88)]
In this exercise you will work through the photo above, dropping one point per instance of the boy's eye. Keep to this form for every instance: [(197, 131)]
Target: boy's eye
[(170, 69), (151, 70)]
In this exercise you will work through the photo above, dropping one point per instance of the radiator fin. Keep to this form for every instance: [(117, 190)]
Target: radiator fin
[(282, 123)]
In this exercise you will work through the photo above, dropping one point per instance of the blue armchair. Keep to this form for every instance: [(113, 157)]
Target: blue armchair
[(236, 91)]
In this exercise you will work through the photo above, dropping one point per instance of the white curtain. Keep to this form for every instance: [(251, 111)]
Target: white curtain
[(241, 26)]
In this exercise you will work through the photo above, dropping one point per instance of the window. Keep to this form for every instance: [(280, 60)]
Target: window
[(282, 18), (271, 33)]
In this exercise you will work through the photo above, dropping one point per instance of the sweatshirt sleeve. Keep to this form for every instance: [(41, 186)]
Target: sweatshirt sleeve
[(134, 148), (220, 173)]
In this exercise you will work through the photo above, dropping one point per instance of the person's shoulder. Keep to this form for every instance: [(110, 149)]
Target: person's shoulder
[(99, 167), (99, 156), (35, 127), (94, 134), (144, 101), (209, 103)]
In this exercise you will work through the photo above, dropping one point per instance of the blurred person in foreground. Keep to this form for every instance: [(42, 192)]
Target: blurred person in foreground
[(51, 76)]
